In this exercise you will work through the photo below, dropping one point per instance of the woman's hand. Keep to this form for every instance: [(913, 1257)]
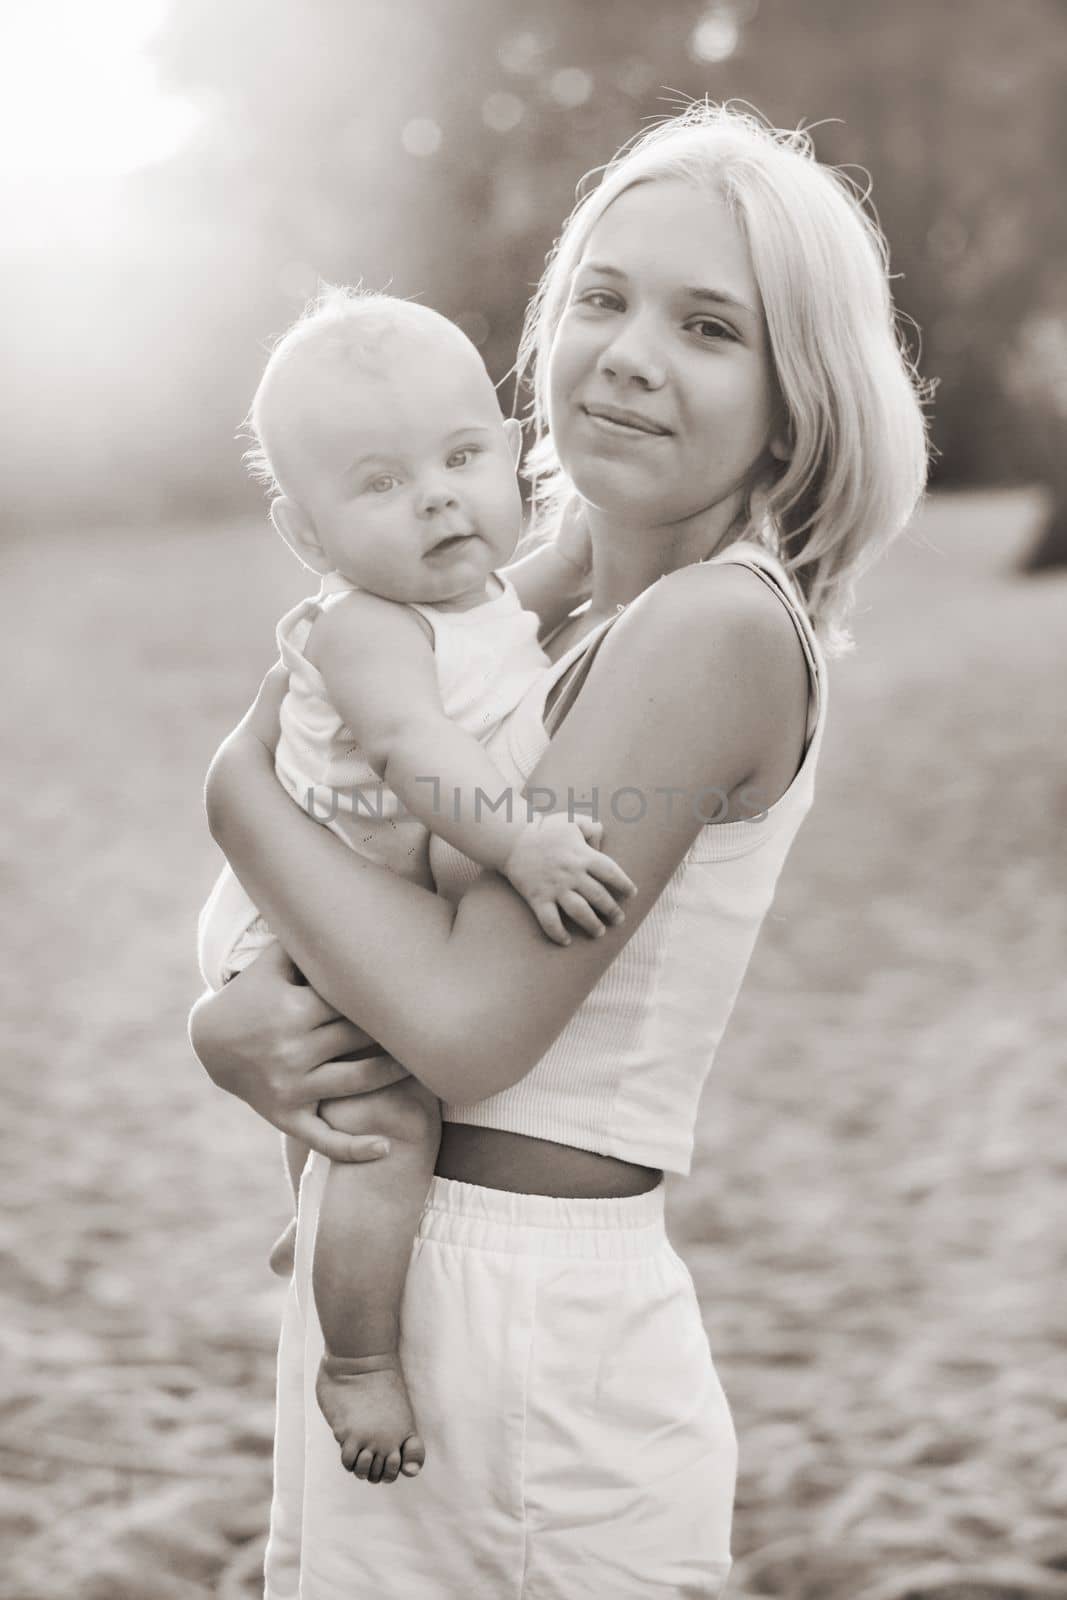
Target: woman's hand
[(573, 539), (268, 1038)]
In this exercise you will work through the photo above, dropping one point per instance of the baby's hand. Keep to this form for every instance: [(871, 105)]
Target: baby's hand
[(555, 866)]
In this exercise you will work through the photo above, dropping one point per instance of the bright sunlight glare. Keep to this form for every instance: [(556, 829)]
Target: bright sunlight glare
[(78, 96)]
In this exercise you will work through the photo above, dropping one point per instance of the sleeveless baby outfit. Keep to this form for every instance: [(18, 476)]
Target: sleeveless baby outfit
[(486, 659), (579, 1444)]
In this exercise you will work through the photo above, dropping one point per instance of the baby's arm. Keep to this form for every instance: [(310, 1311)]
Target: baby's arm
[(556, 576), (379, 671)]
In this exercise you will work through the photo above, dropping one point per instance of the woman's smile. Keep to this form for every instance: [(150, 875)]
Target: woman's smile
[(618, 417)]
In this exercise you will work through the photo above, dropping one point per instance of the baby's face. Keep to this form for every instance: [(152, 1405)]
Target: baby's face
[(408, 473)]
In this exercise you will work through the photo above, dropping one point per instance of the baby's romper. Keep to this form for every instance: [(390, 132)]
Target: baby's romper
[(486, 659), (579, 1443)]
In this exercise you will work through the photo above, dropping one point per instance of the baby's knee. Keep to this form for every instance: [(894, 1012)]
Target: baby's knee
[(406, 1111)]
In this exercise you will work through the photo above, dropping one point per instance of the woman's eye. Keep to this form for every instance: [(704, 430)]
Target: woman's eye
[(460, 458), (709, 329), (383, 483), (600, 300)]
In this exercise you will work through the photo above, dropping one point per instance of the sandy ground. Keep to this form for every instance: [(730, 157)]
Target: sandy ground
[(870, 1219)]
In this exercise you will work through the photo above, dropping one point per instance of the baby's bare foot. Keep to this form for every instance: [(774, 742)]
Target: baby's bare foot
[(283, 1252), (365, 1401)]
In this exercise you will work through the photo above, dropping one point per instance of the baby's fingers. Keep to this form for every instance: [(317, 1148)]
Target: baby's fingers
[(607, 869), (548, 920), (601, 899), (580, 911), (593, 831)]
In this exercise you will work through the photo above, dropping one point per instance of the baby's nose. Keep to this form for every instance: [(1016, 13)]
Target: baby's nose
[(435, 497)]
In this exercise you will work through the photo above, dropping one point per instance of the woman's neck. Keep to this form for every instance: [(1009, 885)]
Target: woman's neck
[(628, 558)]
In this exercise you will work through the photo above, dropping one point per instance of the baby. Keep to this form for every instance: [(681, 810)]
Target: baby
[(394, 473)]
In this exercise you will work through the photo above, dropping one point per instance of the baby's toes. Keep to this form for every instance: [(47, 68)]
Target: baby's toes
[(375, 1473), (350, 1449), (364, 1461), (413, 1455), (391, 1470)]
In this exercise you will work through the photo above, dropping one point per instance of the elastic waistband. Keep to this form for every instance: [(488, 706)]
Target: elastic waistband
[(538, 1224)]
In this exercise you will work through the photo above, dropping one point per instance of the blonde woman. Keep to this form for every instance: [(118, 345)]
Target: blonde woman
[(720, 386)]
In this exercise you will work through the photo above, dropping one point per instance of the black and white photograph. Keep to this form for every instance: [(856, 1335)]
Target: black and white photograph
[(535, 552)]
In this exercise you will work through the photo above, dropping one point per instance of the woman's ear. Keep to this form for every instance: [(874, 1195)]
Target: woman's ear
[(781, 441), (296, 528), (513, 434)]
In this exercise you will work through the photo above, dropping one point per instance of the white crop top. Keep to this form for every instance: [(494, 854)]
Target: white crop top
[(624, 1076)]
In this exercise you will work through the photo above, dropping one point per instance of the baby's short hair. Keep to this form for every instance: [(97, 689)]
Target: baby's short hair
[(346, 327)]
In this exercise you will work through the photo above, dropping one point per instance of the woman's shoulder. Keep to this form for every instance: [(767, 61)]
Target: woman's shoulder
[(724, 601), (714, 639)]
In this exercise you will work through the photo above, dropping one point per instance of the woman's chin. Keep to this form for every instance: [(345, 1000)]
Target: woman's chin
[(604, 486)]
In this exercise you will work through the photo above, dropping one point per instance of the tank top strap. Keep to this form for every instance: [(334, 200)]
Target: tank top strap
[(294, 627), (766, 566), (332, 588), (760, 561), (585, 653)]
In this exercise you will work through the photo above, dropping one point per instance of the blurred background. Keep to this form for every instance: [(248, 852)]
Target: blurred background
[(869, 1218)]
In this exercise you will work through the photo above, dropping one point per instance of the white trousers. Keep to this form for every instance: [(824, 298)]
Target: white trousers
[(579, 1444)]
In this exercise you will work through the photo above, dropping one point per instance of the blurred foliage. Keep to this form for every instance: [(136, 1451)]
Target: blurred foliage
[(433, 146)]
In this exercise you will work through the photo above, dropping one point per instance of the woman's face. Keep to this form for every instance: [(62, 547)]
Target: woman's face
[(662, 400)]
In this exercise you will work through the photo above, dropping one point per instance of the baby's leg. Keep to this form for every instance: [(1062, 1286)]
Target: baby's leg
[(284, 1247), (370, 1213)]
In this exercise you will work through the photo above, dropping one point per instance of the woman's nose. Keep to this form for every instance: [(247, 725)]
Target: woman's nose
[(633, 357)]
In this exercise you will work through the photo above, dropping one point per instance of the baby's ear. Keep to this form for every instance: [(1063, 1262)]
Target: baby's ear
[(513, 434), (295, 527)]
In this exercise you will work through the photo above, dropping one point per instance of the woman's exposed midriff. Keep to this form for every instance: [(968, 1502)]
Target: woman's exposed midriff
[(523, 1165)]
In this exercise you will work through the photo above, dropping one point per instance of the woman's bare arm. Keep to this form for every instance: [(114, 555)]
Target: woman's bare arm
[(682, 696)]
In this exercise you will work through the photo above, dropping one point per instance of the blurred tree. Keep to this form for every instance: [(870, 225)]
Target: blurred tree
[(433, 146), (958, 111)]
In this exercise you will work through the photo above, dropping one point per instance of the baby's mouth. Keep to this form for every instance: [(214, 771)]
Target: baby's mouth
[(450, 542)]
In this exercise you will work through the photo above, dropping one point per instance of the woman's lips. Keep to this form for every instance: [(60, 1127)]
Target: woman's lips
[(616, 420)]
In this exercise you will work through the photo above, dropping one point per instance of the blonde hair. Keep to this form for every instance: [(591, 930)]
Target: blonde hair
[(341, 324), (851, 393)]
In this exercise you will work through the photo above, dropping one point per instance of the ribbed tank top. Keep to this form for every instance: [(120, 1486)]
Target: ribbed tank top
[(624, 1076)]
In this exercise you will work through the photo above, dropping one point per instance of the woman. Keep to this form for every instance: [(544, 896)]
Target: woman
[(718, 378)]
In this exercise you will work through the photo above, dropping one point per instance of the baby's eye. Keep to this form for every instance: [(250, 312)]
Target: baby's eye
[(462, 456), (382, 483), (708, 328)]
